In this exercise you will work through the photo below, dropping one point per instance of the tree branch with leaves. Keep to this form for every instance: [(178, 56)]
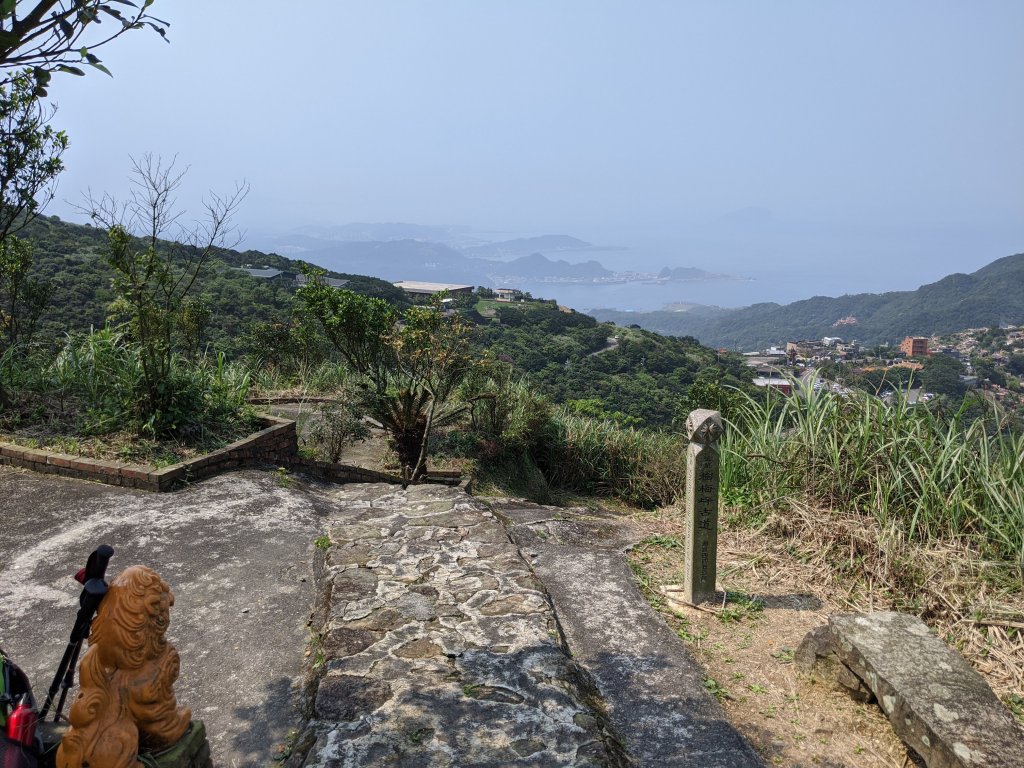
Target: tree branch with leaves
[(46, 36), (413, 363)]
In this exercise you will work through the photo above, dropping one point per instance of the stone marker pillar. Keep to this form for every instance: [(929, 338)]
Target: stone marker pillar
[(703, 428)]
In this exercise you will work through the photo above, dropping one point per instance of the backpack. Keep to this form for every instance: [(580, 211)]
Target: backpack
[(13, 686)]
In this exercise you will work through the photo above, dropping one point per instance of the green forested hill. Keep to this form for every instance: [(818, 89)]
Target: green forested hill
[(988, 297), (638, 378), (70, 257), (637, 374)]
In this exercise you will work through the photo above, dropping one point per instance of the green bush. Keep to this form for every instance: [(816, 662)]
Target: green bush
[(336, 426), (95, 386), (525, 444)]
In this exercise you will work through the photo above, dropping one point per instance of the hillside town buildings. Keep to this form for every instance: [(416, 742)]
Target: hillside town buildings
[(915, 346)]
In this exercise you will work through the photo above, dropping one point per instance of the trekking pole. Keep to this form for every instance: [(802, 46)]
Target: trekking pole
[(94, 588)]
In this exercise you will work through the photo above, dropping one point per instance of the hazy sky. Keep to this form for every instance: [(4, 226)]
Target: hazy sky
[(834, 130)]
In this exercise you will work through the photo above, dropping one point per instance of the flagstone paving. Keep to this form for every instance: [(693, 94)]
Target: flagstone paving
[(432, 641), (440, 647)]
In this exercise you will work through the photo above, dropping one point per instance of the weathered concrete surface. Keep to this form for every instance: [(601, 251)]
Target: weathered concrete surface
[(652, 687), (935, 701), (236, 551), (439, 647)]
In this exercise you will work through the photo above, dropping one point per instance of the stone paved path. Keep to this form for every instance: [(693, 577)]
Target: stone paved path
[(652, 687), (434, 642), (439, 647)]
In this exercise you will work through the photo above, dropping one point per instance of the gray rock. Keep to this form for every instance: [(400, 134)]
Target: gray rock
[(816, 658), (348, 697), (935, 701)]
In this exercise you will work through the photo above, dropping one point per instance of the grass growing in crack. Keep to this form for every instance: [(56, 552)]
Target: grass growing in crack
[(283, 478), (420, 734), (284, 750), (322, 542), (716, 688), (1015, 704)]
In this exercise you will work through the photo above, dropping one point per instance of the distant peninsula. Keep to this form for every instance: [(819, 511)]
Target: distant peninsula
[(668, 274), (529, 245), (398, 251)]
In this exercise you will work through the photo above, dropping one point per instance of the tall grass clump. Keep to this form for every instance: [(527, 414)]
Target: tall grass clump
[(94, 386), (527, 446), (301, 380), (600, 457), (914, 472)]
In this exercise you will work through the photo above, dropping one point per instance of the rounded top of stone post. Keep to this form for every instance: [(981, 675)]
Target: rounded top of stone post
[(704, 427)]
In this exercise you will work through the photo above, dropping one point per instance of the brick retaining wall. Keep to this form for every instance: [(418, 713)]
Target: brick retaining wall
[(277, 443)]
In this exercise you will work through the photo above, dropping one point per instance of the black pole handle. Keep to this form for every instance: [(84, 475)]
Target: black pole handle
[(89, 602), (96, 565)]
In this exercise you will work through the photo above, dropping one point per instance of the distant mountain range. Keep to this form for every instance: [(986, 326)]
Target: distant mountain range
[(454, 255), (991, 296), (538, 266), (395, 251)]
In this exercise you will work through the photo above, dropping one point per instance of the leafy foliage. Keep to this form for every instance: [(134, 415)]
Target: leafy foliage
[(336, 426), (248, 316), (22, 298), (638, 375), (29, 164), (914, 472), (30, 155), (413, 367), (49, 36), (93, 386)]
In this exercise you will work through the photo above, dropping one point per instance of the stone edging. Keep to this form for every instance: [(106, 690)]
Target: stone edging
[(277, 443), (346, 473)]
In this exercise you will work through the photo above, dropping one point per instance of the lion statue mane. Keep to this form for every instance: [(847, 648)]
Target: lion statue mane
[(126, 701)]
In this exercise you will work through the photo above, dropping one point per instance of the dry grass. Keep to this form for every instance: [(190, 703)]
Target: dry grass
[(785, 578), (976, 605), (126, 447)]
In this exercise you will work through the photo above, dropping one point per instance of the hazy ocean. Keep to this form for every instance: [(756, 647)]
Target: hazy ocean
[(768, 281), (777, 267), (638, 297)]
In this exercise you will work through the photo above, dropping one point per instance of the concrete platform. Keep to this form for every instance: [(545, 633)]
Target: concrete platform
[(236, 550)]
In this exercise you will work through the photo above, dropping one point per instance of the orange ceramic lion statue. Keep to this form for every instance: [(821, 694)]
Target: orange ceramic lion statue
[(126, 702)]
